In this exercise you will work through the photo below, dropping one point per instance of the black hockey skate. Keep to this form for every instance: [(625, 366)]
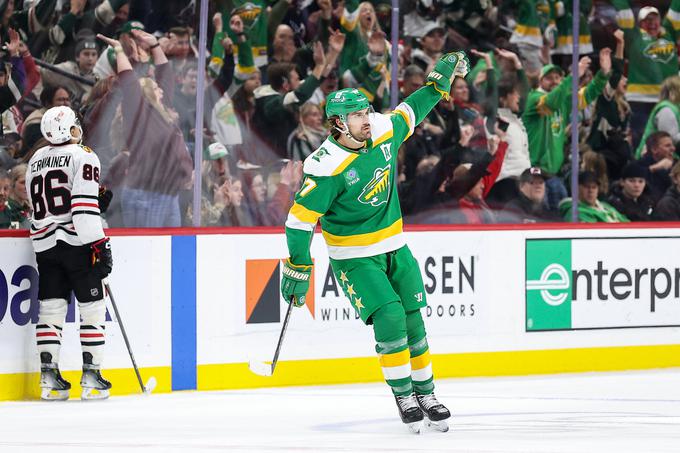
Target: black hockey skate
[(54, 387), (435, 412), (409, 412), (94, 386)]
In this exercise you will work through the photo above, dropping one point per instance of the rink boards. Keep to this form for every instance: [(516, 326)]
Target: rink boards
[(198, 307)]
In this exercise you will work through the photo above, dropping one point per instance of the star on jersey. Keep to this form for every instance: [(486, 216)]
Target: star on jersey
[(358, 304), (350, 291), (343, 277)]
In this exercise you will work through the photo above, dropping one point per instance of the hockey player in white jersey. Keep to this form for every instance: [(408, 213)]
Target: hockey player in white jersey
[(72, 252)]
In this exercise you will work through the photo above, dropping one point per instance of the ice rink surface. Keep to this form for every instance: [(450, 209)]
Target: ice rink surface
[(600, 412)]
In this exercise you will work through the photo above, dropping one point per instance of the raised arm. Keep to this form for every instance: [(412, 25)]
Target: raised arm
[(410, 113), (122, 61)]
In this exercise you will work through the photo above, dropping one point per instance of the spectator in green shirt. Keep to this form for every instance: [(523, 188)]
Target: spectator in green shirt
[(590, 209)]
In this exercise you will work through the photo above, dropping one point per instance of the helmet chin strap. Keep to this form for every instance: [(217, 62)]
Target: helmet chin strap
[(345, 131)]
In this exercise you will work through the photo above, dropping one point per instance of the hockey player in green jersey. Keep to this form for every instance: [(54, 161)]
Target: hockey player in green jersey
[(350, 186)]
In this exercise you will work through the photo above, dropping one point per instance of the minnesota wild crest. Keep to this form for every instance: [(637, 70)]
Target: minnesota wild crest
[(377, 191)]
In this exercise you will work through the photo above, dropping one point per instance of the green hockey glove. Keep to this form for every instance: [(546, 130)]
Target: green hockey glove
[(449, 66), (295, 282)]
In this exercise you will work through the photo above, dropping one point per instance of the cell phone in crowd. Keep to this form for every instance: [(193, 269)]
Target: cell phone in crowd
[(502, 124)]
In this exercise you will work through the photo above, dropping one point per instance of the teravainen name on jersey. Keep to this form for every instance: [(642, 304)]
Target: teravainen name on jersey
[(63, 187)]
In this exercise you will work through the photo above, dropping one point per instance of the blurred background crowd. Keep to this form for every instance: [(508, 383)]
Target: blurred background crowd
[(497, 152)]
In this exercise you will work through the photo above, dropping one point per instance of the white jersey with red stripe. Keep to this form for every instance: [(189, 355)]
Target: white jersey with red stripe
[(62, 182)]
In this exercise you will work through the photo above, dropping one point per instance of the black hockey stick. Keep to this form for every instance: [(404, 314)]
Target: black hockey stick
[(151, 384), (267, 369)]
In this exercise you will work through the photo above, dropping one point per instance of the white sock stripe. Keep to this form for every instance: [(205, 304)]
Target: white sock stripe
[(422, 374), (397, 372)]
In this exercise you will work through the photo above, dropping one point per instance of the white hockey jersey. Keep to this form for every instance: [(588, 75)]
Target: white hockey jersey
[(63, 187)]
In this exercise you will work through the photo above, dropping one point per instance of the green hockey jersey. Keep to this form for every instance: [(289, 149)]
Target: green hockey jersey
[(531, 17), (258, 16), (562, 11), (650, 60), (354, 194), (547, 115), (602, 212)]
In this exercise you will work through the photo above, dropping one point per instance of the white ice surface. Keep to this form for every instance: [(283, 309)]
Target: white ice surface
[(603, 412)]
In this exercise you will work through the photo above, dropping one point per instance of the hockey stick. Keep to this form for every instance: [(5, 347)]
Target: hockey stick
[(151, 383), (267, 369)]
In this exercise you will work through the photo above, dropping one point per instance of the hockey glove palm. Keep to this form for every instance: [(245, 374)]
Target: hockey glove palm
[(295, 282), (450, 66), (102, 261)]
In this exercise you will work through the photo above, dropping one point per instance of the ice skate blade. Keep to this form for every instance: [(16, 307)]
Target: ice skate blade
[(414, 427), (48, 394), (261, 368), (440, 426), (90, 394), (150, 385)]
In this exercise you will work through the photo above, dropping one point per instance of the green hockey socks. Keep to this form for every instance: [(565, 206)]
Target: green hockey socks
[(421, 365), (402, 350)]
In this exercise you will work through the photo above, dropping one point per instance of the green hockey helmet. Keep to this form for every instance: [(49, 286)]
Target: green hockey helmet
[(345, 101)]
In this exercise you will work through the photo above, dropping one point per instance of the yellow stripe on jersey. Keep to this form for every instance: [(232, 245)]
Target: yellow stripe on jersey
[(349, 20), (641, 88), (367, 93), (405, 116), (395, 359), (304, 215), (582, 104), (567, 40), (407, 119), (528, 31), (246, 69), (345, 163), (365, 238), (444, 94), (383, 138)]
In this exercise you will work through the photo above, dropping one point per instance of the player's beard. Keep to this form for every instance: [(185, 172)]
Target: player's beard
[(362, 134)]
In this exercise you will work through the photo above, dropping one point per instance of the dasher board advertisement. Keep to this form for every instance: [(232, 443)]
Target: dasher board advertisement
[(602, 283)]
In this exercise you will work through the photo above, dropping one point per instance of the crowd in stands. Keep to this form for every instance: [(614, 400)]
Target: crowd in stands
[(497, 152)]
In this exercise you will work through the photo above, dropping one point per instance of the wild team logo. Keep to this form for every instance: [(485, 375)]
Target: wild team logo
[(661, 50), (248, 12), (377, 191)]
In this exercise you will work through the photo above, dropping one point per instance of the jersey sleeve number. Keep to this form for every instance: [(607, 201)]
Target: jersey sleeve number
[(44, 194), (308, 186), (90, 173)]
